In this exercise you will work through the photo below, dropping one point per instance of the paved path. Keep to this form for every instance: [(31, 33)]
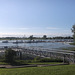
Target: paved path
[(34, 65)]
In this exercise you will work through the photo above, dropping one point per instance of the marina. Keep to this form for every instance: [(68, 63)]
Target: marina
[(45, 53), (53, 43), (44, 48)]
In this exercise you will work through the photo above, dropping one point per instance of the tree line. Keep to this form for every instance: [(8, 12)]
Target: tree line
[(31, 37)]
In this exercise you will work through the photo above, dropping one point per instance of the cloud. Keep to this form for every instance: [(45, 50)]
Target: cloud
[(16, 28), (19, 28), (22, 28), (52, 28), (17, 34)]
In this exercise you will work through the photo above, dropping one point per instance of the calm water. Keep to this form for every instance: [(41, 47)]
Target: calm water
[(49, 45)]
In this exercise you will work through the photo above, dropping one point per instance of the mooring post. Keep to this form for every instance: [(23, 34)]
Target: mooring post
[(20, 55), (74, 58), (64, 58), (69, 61)]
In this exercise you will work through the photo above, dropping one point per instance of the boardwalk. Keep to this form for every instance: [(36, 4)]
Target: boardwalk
[(66, 55)]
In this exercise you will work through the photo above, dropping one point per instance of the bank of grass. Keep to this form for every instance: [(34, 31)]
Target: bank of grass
[(72, 43), (51, 70), (69, 48), (72, 48)]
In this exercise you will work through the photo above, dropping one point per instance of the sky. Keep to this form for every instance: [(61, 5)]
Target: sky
[(36, 17)]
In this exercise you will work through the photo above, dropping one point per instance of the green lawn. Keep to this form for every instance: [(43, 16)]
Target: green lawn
[(51, 70)]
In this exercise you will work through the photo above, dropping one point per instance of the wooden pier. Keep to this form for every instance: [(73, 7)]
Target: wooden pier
[(65, 55)]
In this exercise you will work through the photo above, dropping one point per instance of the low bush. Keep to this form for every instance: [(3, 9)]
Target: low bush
[(50, 60)]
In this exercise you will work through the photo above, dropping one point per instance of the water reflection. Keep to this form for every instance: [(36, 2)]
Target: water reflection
[(47, 45)]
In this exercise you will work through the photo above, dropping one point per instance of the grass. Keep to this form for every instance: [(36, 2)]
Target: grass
[(52, 70), (69, 48), (72, 48), (72, 43)]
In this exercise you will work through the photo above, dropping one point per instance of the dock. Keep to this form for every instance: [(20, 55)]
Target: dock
[(65, 55)]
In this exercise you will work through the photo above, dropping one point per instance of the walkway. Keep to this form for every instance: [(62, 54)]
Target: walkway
[(34, 65)]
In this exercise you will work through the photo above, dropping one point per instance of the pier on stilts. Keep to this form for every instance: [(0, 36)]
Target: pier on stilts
[(65, 55)]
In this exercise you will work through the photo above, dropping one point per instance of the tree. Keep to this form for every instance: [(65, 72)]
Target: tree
[(9, 55), (31, 37), (44, 37), (73, 30)]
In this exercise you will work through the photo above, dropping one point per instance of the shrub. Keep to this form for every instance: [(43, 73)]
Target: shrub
[(50, 60), (9, 55)]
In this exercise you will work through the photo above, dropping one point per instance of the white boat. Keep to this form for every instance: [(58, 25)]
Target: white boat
[(4, 41), (16, 42)]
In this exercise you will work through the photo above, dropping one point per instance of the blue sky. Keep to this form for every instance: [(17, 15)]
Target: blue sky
[(36, 17)]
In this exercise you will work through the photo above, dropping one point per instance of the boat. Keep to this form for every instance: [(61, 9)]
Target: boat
[(4, 41), (16, 42)]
